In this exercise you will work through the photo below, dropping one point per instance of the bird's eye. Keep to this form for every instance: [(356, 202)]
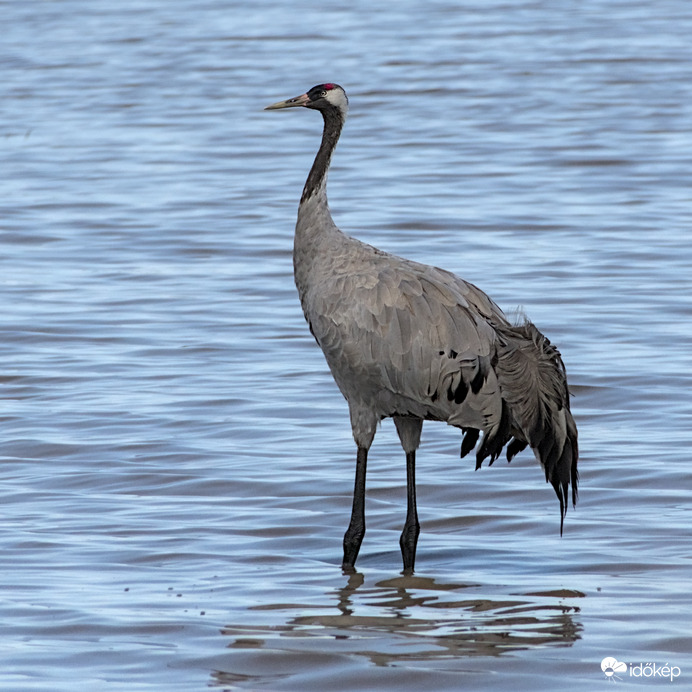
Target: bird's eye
[(323, 93)]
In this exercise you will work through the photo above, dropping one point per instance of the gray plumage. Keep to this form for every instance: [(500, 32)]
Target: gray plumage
[(414, 342)]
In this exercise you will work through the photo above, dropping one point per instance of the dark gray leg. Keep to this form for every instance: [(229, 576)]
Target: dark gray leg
[(356, 529), (409, 536)]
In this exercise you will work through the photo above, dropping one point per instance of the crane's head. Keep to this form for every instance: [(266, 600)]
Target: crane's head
[(322, 97)]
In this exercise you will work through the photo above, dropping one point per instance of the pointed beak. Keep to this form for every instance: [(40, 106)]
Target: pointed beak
[(289, 103)]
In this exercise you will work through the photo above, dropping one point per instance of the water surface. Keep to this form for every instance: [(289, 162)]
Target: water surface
[(176, 461)]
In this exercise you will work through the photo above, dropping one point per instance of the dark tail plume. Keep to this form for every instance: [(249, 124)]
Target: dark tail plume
[(534, 384)]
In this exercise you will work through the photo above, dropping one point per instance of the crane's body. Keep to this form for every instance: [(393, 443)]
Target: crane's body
[(399, 336), (414, 342)]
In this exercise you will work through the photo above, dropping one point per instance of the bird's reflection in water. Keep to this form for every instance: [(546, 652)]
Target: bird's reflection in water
[(406, 619)]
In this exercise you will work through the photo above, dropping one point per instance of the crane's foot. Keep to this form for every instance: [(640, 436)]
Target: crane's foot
[(348, 568), (352, 542), (408, 543)]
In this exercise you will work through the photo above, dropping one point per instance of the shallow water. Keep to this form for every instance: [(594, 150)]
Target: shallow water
[(176, 461)]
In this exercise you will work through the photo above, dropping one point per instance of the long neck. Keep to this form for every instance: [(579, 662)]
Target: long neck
[(315, 225), (317, 178)]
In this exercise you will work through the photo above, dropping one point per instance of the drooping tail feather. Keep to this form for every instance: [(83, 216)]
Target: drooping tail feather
[(533, 383)]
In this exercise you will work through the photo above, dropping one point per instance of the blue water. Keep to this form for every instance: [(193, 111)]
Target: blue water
[(177, 464)]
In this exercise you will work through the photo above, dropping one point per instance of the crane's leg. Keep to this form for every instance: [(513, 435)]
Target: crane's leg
[(356, 529), (409, 430), (409, 536)]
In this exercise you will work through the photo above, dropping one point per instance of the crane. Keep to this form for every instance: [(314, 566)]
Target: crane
[(414, 342)]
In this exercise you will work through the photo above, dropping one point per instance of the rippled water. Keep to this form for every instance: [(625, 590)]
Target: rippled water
[(176, 461)]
